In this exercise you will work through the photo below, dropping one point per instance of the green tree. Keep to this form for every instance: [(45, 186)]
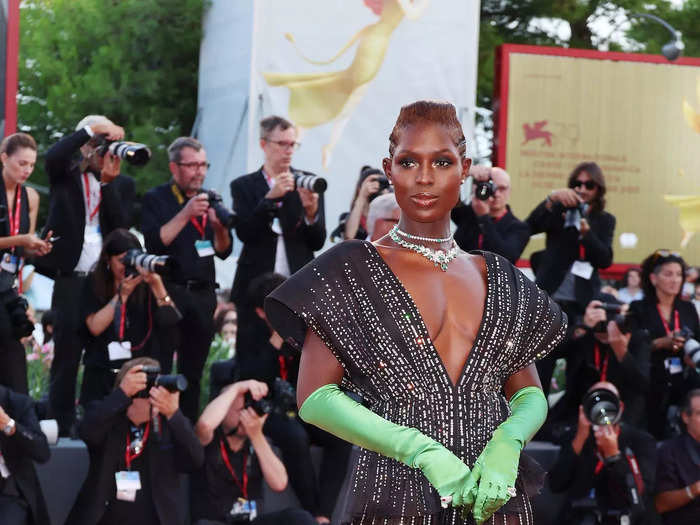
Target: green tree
[(135, 61)]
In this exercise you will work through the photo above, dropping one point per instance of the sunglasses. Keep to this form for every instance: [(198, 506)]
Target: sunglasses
[(664, 254), (589, 184)]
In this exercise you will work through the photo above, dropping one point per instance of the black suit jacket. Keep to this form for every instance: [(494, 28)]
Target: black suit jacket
[(507, 236), (255, 215), (28, 444), (104, 430), (66, 217), (562, 249)]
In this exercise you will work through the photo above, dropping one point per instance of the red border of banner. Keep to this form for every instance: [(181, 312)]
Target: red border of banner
[(500, 100), (11, 66)]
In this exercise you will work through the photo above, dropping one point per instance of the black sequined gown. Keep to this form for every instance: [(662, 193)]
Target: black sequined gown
[(354, 302)]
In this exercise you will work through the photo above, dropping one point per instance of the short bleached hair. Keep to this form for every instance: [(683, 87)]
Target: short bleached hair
[(91, 120), (380, 208)]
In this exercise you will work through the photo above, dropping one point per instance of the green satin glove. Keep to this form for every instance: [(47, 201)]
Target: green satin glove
[(496, 469), (333, 411)]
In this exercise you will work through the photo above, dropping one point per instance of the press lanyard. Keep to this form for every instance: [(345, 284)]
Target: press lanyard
[(634, 467), (92, 213), (14, 228), (283, 367), (581, 252), (122, 324), (480, 240), (14, 221), (128, 457), (676, 322), (224, 456), (181, 200), (604, 371)]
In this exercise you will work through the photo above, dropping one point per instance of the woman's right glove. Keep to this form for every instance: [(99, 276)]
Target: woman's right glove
[(333, 411)]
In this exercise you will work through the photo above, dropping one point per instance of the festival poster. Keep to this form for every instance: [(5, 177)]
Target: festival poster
[(638, 120), (341, 70)]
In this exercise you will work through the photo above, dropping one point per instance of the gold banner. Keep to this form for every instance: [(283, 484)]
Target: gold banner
[(639, 121)]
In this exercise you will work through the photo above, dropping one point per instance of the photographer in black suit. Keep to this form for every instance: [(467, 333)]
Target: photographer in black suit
[(579, 243), (487, 223), (177, 220), (21, 444), (88, 200), (144, 442), (280, 225)]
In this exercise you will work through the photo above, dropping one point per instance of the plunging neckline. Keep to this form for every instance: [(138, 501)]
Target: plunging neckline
[(419, 316)]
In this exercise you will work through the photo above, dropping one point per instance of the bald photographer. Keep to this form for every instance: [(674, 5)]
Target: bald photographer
[(487, 223)]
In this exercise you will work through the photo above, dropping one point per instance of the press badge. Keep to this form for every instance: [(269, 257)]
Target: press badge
[(128, 482), (204, 248), (242, 508), (673, 365), (9, 263), (119, 350), (582, 269), (92, 234)]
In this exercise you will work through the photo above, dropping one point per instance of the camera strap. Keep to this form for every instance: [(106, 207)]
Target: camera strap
[(283, 367), (130, 455), (633, 464), (91, 214), (581, 252), (676, 320), (596, 356), (243, 487), (122, 324), (181, 201)]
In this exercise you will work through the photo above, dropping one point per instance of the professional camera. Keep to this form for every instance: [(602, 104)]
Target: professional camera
[(622, 321), (587, 512), (573, 216), (226, 217), (134, 153), (309, 181), (281, 399), (136, 259), (17, 311), (172, 383), (484, 189), (602, 407), (691, 347)]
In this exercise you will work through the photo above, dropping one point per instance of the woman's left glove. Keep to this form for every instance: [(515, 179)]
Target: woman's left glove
[(496, 468)]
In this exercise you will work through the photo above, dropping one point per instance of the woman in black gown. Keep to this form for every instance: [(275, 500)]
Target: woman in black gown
[(430, 337)]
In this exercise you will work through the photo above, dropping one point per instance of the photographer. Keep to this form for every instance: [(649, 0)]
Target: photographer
[(237, 457), (487, 222), (607, 469), (353, 225), (127, 313), (678, 469), (603, 348), (88, 199), (178, 221), (280, 224), (18, 210), (270, 359), (579, 242), (671, 323), (137, 447), (21, 444)]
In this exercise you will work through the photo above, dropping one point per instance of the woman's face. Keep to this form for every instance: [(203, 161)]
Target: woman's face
[(231, 317), (228, 331), (18, 166), (581, 183), (427, 171), (668, 279), (117, 266), (633, 280)]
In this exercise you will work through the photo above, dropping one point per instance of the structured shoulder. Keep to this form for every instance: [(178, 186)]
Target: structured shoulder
[(243, 180)]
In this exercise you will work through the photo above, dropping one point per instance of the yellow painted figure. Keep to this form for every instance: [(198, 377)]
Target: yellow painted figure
[(688, 205), (318, 98)]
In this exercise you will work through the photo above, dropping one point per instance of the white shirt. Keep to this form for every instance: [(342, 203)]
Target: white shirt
[(281, 261), (92, 237)]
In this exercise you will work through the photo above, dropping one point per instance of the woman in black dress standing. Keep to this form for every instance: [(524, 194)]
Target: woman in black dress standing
[(671, 321), (430, 337), (19, 206)]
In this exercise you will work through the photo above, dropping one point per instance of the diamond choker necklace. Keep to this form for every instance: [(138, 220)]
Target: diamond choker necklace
[(437, 257)]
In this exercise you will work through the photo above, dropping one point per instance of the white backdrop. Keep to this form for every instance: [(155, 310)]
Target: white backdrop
[(433, 55)]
